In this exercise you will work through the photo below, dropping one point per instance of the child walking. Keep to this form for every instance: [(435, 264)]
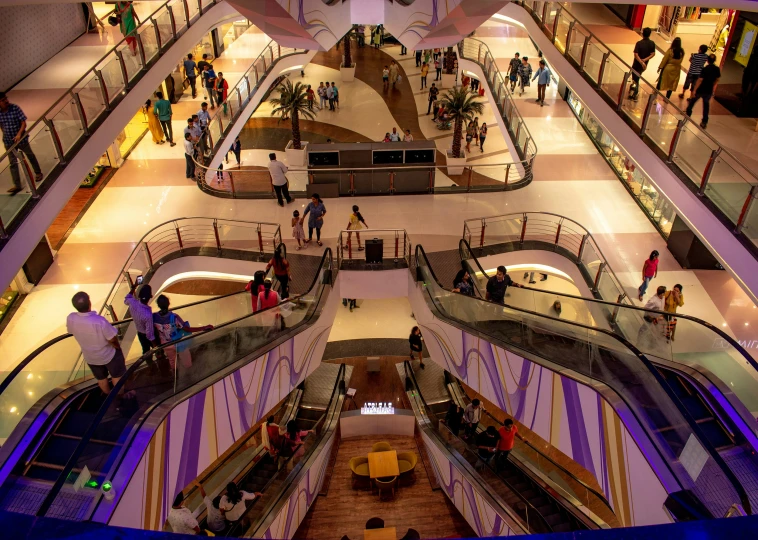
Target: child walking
[(298, 233), (356, 223)]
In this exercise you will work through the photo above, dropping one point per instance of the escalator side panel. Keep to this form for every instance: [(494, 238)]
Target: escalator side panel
[(192, 434), (586, 422)]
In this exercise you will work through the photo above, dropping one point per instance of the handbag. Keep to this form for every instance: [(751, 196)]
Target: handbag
[(399, 78)]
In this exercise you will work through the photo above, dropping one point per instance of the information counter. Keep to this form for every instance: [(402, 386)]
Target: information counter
[(355, 424)]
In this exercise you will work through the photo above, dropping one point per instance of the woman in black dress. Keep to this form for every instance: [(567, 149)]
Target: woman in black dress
[(415, 341)]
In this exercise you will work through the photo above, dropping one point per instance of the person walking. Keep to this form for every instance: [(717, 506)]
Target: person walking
[(237, 149), (416, 343), (355, 223), (671, 301), (498, 284), (697, 62), (476, 131), (190, 73), (542, 76), (98, 340), (433, 93), (336, 95), (482, 136), (386, 77), (513, 68), (644, 51), (393, 73), (438, 67), (330, 96), (222, 90), (506, 440), (201, 69), (142, 315), (525, 75), (13, 125), (209, 77), (170, 327), (189, 157), (428, 57), (278, 172), (670, 68), (474, 84), (315, 212), (297, 229), (418, 57), (281, 268), (436, 54), (153, 124), (471, 416), (469, 135), (164, 113), (321, 95), (705, 88), (649, 271), (309, 94), (424, 74)]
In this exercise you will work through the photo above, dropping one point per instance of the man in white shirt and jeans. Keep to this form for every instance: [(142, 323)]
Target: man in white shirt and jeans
[(278, 171), (98, 341)]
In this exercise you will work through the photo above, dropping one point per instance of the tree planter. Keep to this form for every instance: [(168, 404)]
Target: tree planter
[(348, 73), (448, 81), (455, 166), (296, 158)]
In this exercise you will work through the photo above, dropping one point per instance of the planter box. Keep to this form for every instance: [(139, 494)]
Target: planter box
[(348, 73), (455, 166), (448, 81), (296, 158)]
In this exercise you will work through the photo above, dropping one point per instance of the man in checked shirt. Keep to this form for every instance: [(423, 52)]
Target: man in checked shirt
[(142, 314)]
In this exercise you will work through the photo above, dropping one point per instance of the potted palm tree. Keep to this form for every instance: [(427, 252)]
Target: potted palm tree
[(449, 74), (347, 67), (291, 104), (461, 105)]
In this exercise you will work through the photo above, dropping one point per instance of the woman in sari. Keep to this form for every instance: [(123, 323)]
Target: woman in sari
[(128, 20), (153, 124)]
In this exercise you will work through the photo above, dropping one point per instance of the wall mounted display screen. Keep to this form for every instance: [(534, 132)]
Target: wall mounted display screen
[(324, 159), (419, 156), (388, 157)]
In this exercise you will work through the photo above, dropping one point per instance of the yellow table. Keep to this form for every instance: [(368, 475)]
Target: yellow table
[(388, 533), (383, 464)]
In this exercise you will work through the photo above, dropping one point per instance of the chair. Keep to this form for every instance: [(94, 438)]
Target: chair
[(384, 484), (359, 467), (406, 462), (381, 447), (375, 523), (412, 534)]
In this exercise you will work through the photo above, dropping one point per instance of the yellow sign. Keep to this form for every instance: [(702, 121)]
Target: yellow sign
[(745, 46)]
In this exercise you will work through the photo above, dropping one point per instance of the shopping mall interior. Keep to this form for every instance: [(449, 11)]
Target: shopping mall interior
[(282, 270)]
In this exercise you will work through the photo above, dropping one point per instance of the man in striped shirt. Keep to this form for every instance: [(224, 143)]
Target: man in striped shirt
[(142, 314), (697, 61)]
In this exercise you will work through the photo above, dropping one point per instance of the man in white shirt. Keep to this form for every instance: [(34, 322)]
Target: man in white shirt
[(278, 171), (656, 303), (98, 341), (408, 137), (214, 517), (330, 96), (394, 136), (471, 416), (181, 518)]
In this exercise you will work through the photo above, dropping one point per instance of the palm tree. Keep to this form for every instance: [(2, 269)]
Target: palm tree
[(348, 57), (291, 103), (462, 105)]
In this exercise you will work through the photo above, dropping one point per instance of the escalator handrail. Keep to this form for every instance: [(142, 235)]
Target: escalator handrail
[(71, 462), (700, 322), (702, 439), (275, 502), (125, 322), (482, 483)]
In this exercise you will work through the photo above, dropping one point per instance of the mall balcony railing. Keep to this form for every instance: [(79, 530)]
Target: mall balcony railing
[(33, 378), (60, 132), (396, 248), (477, 51), (728, 186), (698, 344)]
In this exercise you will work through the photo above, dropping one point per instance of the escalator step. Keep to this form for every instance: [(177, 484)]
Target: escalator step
[(75, 423), (309, 414), (716, 434), (554, 519), (57, 450), (563, 527), (42, 473), (696, 408)]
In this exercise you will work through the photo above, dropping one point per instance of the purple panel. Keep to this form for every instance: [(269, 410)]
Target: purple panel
[(580, 446)]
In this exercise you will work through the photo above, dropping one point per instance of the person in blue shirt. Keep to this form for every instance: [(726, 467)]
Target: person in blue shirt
[(317, 211), (542, 75), (190, 71), (209, 76)]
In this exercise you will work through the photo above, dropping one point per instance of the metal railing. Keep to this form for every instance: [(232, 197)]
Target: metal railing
[(713, 171), (57, 135), (697, 343), (396, 245), (477, 51)]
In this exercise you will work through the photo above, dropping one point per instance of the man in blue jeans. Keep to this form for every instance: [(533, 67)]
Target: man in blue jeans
[(13, 126), (705, 88)]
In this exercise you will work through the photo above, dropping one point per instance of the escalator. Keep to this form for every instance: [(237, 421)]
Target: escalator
[(76, 427), (600, 355), (524, 488)]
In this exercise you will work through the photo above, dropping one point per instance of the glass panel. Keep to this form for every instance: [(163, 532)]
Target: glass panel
[(163, 20), (113, 77), (662, 124), (149, 41), (193, 8), (538, 10), (592, 60), (693, 152), (613, 78), (578, 35), (41, 143), (215, 130), (561, 33), (634, 104), (131, 61), (750, 225), (244, 90), (522, 135), (180, 17), (91, 97), (727, 189), (67, 124), (11, 206), (552, 9)]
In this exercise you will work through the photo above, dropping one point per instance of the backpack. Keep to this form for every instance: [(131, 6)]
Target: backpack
[(170, 331)]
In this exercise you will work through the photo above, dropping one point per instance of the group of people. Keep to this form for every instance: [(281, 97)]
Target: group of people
[(391, 74), (702, 77), (395, 136), (427, 58), (328, 94), (475, 133), (667, 301), (520, 73), (215, 86), (222, 511)]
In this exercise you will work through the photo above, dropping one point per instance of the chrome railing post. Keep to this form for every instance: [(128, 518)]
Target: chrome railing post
[(172, 19), (601, 73), (186, 12), (581, 248), (621, 90), (568, 37), (3, 234), (215, 234), (555, 23), (148, 256), (745, 209), (648, 111), (600, 269), (103, 89), (122, 65), (80, 110), (675, 139), (708, 170), (56, 141), (27, 172), (523, 229), (507, 174), (583, 58), (179, 236), (544, 14), (141, 47)]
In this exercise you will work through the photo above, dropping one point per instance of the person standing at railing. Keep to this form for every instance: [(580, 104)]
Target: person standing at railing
[(164, 113), (209, 76), (190, 72), (649, 271), (542, 76), (705, 88), (222, 90), (697, 63), (416, 343), (498, 284), (513, 70), (13, 125), (142, 315), (189, 156), (315, 212), (524, 75), (203, 119), (644, 51), (98, 340), (278, 172)]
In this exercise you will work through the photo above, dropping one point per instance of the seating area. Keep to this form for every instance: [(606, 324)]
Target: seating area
[(382, 469)]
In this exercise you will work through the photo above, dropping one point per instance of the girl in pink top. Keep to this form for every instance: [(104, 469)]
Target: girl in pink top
[(269, 299), (649, 271)]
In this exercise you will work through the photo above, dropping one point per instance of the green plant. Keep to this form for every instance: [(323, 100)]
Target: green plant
[(462, 105), (291, 104)]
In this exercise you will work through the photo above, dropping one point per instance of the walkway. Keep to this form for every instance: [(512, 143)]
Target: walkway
[(571, 178)]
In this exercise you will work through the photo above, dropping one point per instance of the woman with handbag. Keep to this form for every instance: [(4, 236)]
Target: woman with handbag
[(674, 299)]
